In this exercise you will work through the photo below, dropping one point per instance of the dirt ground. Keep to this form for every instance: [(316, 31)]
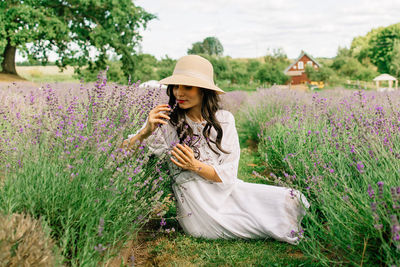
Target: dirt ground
[(139, 246)]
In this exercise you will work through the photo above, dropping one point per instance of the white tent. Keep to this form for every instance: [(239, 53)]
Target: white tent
[(386, 77), (152, 84)]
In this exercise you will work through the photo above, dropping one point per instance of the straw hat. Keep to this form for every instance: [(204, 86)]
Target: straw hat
[(193, 70)]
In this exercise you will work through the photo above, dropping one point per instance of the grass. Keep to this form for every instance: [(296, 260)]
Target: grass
[(182, 250), (48, 74)]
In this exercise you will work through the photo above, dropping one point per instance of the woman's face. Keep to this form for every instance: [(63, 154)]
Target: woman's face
[(190, 94)]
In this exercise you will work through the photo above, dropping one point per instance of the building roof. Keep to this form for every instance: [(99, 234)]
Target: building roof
[(385, 77), (298, 58)]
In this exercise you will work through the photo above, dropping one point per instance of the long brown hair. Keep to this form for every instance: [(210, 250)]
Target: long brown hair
[(209, 106)]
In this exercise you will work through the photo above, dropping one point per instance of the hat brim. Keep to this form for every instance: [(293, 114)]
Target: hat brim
[(192, 81)]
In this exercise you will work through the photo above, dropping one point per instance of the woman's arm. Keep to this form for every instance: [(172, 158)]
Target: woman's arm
[(186, 160), (141, 135), (223, 172), (149, 127), (206, 171)]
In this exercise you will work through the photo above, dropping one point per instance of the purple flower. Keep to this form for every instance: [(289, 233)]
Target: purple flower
[(162, 223), (100, 248), (292, 233), (101, 227), (360, 166), (371, 192), (373, 206), (380, 188)]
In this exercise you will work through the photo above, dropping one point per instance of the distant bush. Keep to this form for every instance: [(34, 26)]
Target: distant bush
[(347, 66)]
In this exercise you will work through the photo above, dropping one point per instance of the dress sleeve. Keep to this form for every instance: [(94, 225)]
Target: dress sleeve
[(227, 169), (155, 142)]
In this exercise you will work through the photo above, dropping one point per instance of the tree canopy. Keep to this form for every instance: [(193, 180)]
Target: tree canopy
[(53, 25), (380, 47), (210, 46)]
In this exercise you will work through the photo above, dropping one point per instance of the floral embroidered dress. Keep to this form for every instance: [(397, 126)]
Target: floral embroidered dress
[(231, 208)]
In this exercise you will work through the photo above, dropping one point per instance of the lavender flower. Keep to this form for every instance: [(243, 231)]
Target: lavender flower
[(371, 192)]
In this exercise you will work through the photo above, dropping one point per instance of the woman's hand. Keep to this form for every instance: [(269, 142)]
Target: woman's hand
[(185, 157), (155, 116)]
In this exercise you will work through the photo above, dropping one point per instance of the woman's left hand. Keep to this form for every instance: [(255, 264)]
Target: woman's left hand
[(185, 157)]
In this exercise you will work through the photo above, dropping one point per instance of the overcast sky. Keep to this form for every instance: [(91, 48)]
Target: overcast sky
[(247, 28)]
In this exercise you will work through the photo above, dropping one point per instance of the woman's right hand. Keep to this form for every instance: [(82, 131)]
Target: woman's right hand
[(155, 116)]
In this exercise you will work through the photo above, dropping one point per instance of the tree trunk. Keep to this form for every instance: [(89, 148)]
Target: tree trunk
[(8, 64)]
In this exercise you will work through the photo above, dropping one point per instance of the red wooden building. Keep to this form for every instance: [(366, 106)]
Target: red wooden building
[(297, 70)]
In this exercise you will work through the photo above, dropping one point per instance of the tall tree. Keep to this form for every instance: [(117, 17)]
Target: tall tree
[(381, 47), (210, 46), (53, 25), (197, 48), (360, 45), (395, 64), (213, 46)]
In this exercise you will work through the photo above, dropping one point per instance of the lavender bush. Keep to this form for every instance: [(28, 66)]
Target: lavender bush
[(341, 148), (60, 155), (233, 101)]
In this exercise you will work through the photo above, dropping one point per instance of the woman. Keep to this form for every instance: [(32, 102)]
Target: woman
[(203, 147)]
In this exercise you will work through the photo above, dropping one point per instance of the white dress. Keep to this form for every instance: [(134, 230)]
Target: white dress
[(231, 208)]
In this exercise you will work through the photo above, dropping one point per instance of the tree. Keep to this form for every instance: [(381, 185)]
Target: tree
[(53, 25), (277, 57), (394, 67), (346, 65), (272, 70), (360, 45), (253, 65), (210, 46), (321, 74), (270, 73), (381, 46), (197, 48), (238, 72), (146, 68), (165, 67)]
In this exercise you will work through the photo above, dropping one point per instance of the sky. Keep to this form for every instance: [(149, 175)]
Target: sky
[(248, 28), (251, 28)]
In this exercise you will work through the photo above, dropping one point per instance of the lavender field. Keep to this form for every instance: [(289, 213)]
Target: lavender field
[(341, 148), (60, 161)]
